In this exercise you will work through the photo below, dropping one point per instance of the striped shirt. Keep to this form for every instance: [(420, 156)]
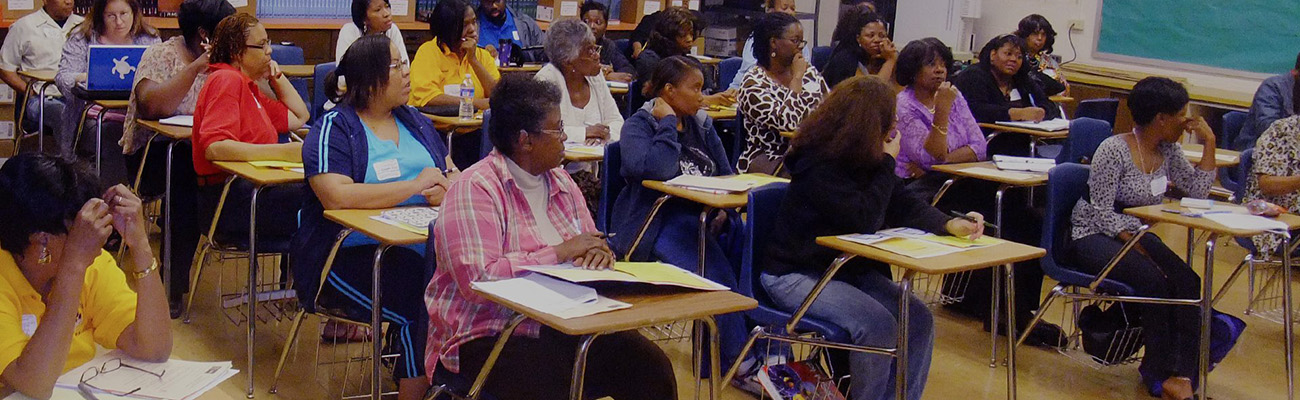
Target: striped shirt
[(486, 232)]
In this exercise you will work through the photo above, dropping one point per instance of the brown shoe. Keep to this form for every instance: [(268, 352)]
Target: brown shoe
[(1177, 388)]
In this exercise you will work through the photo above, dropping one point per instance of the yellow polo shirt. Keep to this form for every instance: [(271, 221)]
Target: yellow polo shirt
[(435, 67), (107, 307)]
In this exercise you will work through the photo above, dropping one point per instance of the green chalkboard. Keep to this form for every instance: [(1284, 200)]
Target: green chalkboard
[(1245, 35)]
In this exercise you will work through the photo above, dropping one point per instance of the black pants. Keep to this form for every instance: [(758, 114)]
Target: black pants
[(624, 365), (1021, 223), (277, 216), (184, 225), (403, 281), (1170, 333)]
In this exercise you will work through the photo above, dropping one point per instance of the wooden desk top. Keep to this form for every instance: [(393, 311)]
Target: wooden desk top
[(577, 156), (1061, 134), (172, 132), (618, 91), (444, 123), (706, 60), (298, 71), (112, 104), (1061, 99), (1222, 157), (647, 309), (989, 171), (42, 75), (724, 114), (259, 176), (1004, 253), (360, 221), (530, 68), (719, 201), (1153, 214)]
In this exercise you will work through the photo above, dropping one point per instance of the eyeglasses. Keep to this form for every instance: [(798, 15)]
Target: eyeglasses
[(112, 365), (595, 49), (264, 46), (800, 43), (122, 16), (400, 64)]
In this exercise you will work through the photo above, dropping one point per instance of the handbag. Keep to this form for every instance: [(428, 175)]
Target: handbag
[(1111, 335)]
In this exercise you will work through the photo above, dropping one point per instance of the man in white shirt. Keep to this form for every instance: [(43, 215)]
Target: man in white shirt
[(35, 42)]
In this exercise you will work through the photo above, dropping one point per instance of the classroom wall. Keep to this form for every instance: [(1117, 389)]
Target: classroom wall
[(1001, 16)]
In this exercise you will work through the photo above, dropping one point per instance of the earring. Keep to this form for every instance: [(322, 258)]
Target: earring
[(774, 54), (45, 257)]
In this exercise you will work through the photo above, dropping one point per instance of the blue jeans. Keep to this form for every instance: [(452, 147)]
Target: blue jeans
[(866, 307), (53, 114), (678, 244)]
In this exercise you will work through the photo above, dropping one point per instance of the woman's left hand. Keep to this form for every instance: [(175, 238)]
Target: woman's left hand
[(961, 227), (128, 217), (888, 51), (597, 134)]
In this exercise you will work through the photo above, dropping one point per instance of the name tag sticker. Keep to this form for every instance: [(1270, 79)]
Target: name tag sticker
[(516, 33), (388, 169), (29, 324), (1159, 185), (1014, 95), (451, 90)]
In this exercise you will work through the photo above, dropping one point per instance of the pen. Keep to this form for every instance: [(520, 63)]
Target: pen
[(970, 218)]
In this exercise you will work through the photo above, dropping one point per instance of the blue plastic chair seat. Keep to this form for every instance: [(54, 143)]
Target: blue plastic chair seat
[(1066, 184)]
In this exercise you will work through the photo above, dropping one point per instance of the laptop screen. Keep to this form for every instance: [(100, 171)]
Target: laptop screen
[(112, 68)]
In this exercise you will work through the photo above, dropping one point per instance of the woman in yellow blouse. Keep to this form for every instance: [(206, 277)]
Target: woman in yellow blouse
[(60, 292), (453, 53)]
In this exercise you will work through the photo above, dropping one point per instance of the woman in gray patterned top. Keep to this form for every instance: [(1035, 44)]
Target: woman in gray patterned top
[(1135, 169)]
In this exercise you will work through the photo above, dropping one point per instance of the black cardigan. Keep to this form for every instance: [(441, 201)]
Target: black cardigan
[(842, 64), (826, 199), (986, 100)]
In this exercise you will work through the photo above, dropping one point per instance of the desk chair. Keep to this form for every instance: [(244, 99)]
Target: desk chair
[(635, 99), (1102, 109), (485, 140), (1086, 134), (318, 89), (624, 45), (727, 70), (1268, 296), (1067, 183), (1228, 176), (611, 183), (821, 55), (773, 323), (286, 53)]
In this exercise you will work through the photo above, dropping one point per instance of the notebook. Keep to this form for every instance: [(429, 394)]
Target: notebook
[(112, 68), (1051, 125)]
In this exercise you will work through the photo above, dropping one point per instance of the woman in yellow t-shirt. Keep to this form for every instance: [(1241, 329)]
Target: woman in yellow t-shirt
[(60, 292), (453, 53)]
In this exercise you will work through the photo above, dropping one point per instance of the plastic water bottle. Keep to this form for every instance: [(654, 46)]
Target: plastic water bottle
[(467, 98)]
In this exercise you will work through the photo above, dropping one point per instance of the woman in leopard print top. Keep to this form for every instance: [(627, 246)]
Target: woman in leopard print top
[(778, 94)]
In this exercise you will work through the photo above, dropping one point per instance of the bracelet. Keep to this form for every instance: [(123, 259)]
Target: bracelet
[(138, 275), (942, 131)]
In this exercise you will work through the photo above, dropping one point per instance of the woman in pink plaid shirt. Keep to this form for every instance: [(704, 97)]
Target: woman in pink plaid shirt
[(517, 208)]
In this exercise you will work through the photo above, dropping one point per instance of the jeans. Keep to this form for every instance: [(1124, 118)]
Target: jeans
[(53, 114), (867, 307), (678, 244)]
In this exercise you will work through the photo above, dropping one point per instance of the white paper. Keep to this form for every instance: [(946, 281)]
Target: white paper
[(616, 84), (1248, 222), (237, 3), (694, 5), (568, 8), (18, 5), (1023, 163), (400, 8), (551, 296), (651, 7), (545, 13), (1020, 176), (1218, 156), (179, 120), (709, 183), (1051, 125), (181, 379), (585, 149)]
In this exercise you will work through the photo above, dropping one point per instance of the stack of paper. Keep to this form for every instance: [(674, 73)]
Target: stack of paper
[(551, 296), (1051, 125), (918, 244), (181, 380), (285, 165), (585, 149), (710, 184), (413, 219), (756, 180), (1249, 222), (615, 84), (1023, 163), (635, 272), (179, 120)]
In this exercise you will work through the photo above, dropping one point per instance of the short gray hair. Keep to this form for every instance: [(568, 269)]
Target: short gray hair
[(564, 40)]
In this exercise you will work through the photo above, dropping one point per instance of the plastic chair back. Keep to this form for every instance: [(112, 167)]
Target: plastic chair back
[(635, 99), (1243, 174), (285, 53), (821, 55), (1086, 134), (318, 91), (1232, 123), (1102, 109), (611, 183), (1066, 185), (624, 46), (485, 140), (727, 70)]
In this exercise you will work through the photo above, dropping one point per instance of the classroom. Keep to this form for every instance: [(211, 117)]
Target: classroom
[(648, 199)]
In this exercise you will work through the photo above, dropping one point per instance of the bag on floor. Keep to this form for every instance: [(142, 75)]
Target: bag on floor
[(1110, 335)]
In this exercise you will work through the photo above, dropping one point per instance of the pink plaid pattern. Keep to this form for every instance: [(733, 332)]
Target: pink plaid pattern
[(486, 232)]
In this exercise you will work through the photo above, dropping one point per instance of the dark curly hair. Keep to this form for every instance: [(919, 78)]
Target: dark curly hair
[(230, 39), (1156, 95), (1035, 23), (770, 26), (917, 55), (41, 193), (672, 23), (518, 105)]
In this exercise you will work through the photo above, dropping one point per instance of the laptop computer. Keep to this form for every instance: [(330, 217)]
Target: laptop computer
[(112, 68)]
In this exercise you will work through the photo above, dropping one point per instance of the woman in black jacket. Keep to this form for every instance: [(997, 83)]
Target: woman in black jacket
[(998, 88), (862, 47), (842, 168)]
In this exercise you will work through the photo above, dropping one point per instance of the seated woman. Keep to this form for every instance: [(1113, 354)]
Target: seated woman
[(111, 22), (517, 208), (1131, 170), (862, 47), (369, 17), (747, 55), (843, 182), (587, 108), (167, 83), (671, 136), (998, 88), (234, 121), (442, 63), (372, 151), (1039, 37), (674, 34), (1276, 177), (613, 63), (778, 94), (61, 294)]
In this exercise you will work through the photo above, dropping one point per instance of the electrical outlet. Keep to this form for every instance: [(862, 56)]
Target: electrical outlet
[(1076, 24)]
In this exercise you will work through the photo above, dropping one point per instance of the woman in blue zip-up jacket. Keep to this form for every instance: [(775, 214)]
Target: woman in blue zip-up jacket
[(670, 136), (372, 151)]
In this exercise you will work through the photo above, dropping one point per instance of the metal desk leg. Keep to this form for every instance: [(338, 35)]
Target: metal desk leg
[(1207, 302), (40, 136), (698, 333), (375, 322), (99, 136), (477, 390), (1288, 331), (904, 303), (997, 279), (716, 380), (580, 367), (167, 218), (252, 285), (1011, 323)]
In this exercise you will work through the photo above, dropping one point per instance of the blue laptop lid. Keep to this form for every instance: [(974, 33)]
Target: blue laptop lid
[(112, 68)]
